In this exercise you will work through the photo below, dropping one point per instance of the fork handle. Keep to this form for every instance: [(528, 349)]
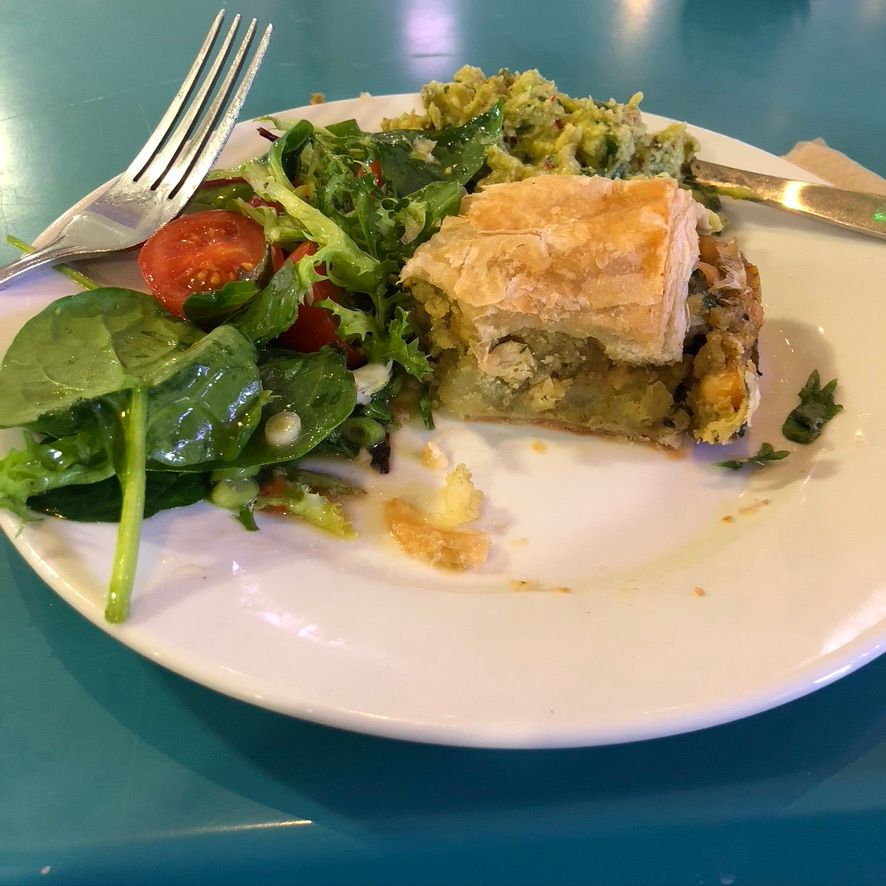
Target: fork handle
[(54, 252), (856, 210)]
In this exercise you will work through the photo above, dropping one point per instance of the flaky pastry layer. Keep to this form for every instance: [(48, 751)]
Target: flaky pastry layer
[(588, 256)]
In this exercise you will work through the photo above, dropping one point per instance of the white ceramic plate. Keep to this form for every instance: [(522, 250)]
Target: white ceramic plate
[(695, 595)]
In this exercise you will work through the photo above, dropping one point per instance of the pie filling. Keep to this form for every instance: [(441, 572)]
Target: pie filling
[(550, 377)]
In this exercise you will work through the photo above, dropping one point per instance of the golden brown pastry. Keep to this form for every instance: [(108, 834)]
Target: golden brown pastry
[(578, 301), (591, 257)]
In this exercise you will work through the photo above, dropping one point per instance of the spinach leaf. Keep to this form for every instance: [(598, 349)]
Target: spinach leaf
[(214, 307), (345, 129), (817, 407), (412, 159), (317, 387), (100, 502), (205, 403), (81, 458), (120, 336), (113, 362), (274, 309), (205, 391), (765, 455)]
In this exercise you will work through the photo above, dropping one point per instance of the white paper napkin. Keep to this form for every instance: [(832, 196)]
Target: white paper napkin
[(833, 166)]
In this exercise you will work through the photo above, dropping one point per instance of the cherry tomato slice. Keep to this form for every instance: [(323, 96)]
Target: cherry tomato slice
[(316, 327), (198, 253), (375, 169)]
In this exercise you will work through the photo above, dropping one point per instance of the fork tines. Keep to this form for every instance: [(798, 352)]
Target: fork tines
[(181, 150)]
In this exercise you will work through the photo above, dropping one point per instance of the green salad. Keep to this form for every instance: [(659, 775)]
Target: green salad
[(274, 327)]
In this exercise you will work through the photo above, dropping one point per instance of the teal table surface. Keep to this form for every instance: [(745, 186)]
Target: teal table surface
[(113, 770)]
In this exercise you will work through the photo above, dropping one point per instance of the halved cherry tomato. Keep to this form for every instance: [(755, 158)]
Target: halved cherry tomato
[(375, 169), (200, 252), (315, 327)]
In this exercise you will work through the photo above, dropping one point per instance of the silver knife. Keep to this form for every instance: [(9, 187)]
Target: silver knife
[(855, 210)]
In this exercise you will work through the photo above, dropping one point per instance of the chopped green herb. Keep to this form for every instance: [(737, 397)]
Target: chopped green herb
[(817, 407), (246, 516), (764, 456)]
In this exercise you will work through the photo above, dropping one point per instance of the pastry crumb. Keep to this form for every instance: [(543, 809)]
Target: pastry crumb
[(433, 457), (699, 592), (539, 446), (522, 584), (317, 98), (727, 519), (460, 500), (530, 584), (437, 537), (445, 548), (754, 507)]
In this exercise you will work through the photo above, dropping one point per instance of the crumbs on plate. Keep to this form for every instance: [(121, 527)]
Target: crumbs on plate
[(748, 510), (523, 584), (437, 537), (433, 457)]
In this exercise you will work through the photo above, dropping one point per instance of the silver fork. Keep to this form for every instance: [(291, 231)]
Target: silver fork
[(170, 166)]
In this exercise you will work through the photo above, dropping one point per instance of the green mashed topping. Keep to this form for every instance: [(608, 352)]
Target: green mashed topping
[(548, 132)]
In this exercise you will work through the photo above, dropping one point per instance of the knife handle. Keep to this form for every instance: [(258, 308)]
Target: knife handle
[(855, 210)]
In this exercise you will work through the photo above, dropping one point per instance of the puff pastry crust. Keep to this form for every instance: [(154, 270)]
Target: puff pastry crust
[(589, 256)]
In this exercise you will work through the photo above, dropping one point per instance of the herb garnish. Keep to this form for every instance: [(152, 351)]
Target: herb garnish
[(817, 407), (765, 455)]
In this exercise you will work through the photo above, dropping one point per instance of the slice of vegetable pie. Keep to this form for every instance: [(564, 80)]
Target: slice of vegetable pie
[(593, 305)]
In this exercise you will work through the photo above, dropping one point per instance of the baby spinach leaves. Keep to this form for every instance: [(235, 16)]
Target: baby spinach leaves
[(260, 313), (111, 372), (84, 347), (208, 309), (205, 402), (100, 502), (316, 387), (274, 308)]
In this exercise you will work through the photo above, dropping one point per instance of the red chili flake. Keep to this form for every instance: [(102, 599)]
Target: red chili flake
[(558, 124)]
